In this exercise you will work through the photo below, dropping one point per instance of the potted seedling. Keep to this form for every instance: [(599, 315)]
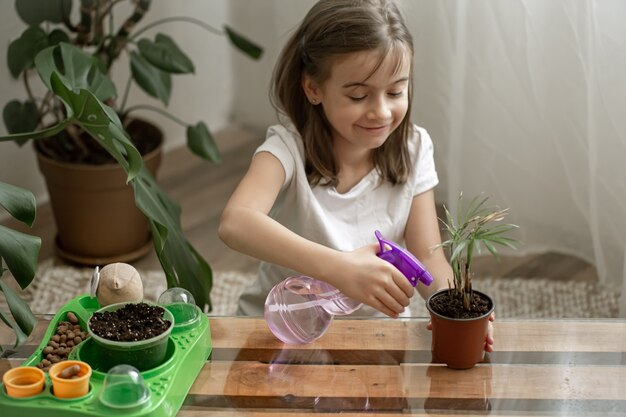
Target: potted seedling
[(459, 314), (83, 124)]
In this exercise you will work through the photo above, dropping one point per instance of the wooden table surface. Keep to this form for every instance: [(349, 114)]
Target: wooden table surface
[(382, 367)]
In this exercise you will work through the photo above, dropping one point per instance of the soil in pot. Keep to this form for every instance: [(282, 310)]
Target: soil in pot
[(453, 306), (131, 323), (77, 147), (133, 334)]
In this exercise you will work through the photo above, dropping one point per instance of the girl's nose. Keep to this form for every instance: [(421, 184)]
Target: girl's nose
[(380, 110)]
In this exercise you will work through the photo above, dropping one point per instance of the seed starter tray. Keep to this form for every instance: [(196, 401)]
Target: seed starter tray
[(188, 349)]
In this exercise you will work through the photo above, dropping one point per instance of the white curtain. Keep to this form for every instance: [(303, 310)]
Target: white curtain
[(526, 102)]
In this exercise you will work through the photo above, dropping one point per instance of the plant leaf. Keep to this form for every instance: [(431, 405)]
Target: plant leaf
[(20, 117), (460, 246), (100, 121), (164, 54), (201, 143), (152, 80), (182, 265), (20, 252), (34, 12), (23, 321), (243, 44), (22, 51), (492, 249), (19, 202), (76, 70), (57, 36)]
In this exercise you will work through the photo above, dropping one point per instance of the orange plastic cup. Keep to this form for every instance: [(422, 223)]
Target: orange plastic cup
[(70, 387), (24, 381)]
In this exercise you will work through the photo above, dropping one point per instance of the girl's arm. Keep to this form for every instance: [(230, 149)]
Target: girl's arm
[(246, 227), (421, 234)]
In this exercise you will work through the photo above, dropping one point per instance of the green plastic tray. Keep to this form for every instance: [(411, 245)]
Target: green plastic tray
[(188, 349)]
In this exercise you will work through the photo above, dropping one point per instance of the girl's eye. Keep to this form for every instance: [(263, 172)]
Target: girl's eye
[(357, 98), (396, 94)]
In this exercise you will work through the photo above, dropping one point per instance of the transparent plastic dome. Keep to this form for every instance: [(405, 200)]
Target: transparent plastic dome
[(124, 387), (181, 304)]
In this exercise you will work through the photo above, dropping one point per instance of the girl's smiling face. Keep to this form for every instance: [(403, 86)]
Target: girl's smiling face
[(364, 104)]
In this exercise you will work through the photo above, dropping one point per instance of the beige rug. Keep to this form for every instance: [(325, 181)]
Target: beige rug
[(514, 297)]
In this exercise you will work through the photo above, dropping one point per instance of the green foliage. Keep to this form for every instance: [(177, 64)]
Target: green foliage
[(471, 229), (73, 61), (19, 252)]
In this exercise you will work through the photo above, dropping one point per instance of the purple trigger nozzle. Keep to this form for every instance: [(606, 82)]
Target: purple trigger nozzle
[(402, 259)]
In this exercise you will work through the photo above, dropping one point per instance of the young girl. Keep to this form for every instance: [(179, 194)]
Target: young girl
[(345, 161)]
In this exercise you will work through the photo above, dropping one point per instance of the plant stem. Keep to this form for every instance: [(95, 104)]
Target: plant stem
[(178, 19), (126, 91), (51, 131), (157, 110)]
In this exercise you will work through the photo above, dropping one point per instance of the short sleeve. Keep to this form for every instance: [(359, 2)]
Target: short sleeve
[(424, 174), (277, 143)]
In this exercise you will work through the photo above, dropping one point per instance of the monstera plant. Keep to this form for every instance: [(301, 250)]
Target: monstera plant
[(18, 254), (82, 112)]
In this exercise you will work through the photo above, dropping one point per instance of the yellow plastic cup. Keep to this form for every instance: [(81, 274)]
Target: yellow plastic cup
[(70, 387), (24, 381)]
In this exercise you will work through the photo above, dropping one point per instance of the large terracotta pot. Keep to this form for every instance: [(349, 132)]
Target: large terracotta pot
[(459, 343), (97, 220)]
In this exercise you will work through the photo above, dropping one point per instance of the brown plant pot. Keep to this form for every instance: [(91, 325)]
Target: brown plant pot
[(459, 343), (97, 220)]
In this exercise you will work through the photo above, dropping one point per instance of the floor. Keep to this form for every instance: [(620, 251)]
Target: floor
[(202, 190)]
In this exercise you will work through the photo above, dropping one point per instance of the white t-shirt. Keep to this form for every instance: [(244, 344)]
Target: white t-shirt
[(341, 221)]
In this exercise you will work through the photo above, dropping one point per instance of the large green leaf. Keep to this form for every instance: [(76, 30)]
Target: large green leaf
[(22, 51), (34, 12), (182, 265), (101, 122), (19, 202), (201, 143), (152, 80), (23, 321), (164, 54), (20, 252), (243, 44), (75, 68), (20, 117)]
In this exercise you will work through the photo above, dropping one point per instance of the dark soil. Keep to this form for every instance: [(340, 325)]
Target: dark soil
[(450, 305), (131, 323), (81, 148)]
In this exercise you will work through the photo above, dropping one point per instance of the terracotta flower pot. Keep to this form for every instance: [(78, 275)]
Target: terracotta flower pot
[(94, 209), (459, 343), (75, 387), (24, 381)]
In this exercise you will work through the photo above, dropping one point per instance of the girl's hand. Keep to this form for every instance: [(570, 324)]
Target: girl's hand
[(488, 340), (365, 277)]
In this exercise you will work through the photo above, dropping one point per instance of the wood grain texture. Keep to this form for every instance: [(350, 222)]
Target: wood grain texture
[(382, 367)]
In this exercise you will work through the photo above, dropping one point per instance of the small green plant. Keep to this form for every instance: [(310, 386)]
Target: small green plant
[(472, 229)]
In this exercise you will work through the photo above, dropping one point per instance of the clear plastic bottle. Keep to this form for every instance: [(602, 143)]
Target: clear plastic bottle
[(300, 309)]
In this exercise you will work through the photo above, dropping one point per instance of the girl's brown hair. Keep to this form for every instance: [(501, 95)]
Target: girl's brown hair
[(332, 28)]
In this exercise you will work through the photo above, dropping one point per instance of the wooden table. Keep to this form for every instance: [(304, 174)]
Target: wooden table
[(382, 367)]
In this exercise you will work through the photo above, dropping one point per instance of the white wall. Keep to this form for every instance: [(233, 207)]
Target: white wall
[(208, 95)]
